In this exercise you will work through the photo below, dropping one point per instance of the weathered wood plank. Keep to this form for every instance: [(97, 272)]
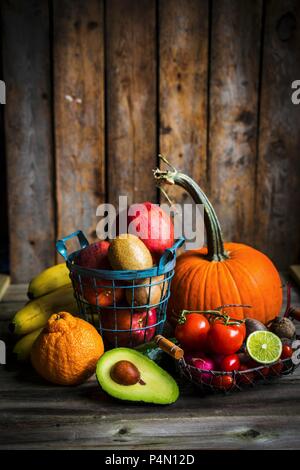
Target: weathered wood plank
[(183, 70), (8, 309), (131, 99), (16, 293), (78, 51), (277, 432), (36, 414), (235, 52), (26, 66), (3, 182), (277, 191), (295, 273), (4, 284)]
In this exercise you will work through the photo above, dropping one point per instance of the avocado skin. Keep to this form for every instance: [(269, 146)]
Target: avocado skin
[(159, 387), (128, 252)]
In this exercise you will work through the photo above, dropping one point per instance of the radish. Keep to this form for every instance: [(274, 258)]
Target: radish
[(201, 364)]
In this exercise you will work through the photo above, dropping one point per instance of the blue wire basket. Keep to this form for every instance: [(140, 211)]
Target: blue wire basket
[(128, 308)]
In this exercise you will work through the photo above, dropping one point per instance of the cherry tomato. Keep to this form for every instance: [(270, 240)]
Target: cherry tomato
[(225, 339), (246, 378), (264, 371), (192, 334), (287, 351), (230, 363), (276, 369), (223, 382)]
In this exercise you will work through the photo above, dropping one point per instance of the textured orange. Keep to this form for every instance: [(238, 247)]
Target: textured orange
[(67, 350), (247, 277)]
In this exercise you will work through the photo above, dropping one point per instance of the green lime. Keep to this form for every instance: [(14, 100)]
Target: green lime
[(264, 347)]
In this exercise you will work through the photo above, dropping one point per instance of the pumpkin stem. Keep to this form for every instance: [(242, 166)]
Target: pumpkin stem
[(215, 244)]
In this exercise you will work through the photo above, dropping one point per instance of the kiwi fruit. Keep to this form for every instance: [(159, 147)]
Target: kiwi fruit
[(128, 252)]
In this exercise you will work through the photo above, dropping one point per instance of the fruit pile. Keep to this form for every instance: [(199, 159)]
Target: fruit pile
[(222, 352), (125, 311), (133, 316), (51, 291)]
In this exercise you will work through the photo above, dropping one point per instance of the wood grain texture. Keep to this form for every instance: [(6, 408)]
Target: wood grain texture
[(38, 415), (278, 192), (78, 52), (26, 66), (131, 99), (3, 181), (4, 284), (235, 53), (183, 74)]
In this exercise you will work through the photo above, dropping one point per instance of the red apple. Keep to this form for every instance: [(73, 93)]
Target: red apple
[(94, 256), (127, 321)]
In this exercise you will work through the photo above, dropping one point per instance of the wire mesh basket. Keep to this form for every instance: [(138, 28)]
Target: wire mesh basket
[(108, 298), (209, 381)]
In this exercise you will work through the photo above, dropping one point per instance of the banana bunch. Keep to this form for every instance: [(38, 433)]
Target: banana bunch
[(51, 292), (23, 347), (49, 280)]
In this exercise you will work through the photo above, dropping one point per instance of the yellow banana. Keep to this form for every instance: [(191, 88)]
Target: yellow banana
[(23, 347), (49, 280), (36, 313)]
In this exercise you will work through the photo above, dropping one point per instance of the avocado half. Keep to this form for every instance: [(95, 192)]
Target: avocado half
[(158, 386)]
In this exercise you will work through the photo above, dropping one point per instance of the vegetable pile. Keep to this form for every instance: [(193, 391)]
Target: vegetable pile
[(223, 352)]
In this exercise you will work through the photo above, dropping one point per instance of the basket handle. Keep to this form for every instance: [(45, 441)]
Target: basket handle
[(170, 348), (61, 244), (169, 254)]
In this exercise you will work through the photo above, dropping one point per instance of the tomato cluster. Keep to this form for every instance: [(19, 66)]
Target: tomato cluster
[(214, 342)]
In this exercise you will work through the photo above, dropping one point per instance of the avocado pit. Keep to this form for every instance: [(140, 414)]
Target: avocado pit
[(126, 373)]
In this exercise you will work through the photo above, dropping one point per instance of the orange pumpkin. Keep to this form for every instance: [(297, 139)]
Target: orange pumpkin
[(219, 274)]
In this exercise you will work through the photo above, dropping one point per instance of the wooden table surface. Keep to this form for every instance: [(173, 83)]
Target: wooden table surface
[(37, 415)]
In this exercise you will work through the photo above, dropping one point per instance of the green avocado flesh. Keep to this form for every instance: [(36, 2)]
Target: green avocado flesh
[(159, 386)]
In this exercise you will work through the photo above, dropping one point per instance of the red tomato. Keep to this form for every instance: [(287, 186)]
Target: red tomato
[(246, 378), (287, 351), (264, 371), (230, 363), (223, 382), (276, 369), (192, 334), (225, 339)]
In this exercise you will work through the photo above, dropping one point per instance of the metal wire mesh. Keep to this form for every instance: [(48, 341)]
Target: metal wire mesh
[(128, 308), (103, 303), (208, 381)]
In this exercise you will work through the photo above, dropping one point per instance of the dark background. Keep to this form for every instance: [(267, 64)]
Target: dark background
[(96, 89)]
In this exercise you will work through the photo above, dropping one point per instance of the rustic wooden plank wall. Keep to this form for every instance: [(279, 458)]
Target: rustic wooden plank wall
[(131, 98), (97, 88), (278, 166), (233, 113), (28, 135), (78, 60)]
